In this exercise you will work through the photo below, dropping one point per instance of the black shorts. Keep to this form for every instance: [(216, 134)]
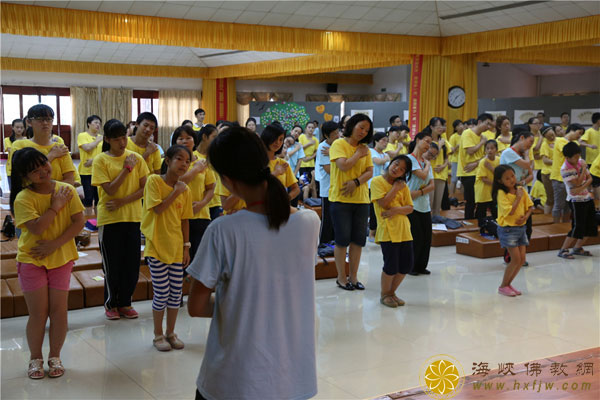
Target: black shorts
[(583, 219), (397, 257), (595, 181)]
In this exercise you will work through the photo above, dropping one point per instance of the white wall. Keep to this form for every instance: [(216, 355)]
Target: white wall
[(504, 80), (300, 90), (572, 83), (52, 79), (393, 79)]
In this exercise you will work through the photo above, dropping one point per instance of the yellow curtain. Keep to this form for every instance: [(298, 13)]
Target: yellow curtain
[(589, 55), (360, 79), (463, 73), (209, 100), (174, 106), (27, 20), (80, 67), (84, 102), (557, 33), (232, 101), (116, 103)]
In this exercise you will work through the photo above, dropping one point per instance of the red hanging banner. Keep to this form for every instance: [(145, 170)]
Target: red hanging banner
[(415, 94), (222, 99)]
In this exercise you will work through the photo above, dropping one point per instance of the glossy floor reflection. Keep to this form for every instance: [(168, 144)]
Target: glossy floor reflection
[(364, 349)]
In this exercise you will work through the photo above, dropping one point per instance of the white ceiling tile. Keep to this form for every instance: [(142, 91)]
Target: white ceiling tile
[(55, 4), (387, 4), (362, 26), (119, 7), (250, 17), (200, 13), (148, 8), (234, 5), (274, 19), (424, 29), (417, 16), (84, 5), (333, 10), (300, 21), (376, 14), (429, 6), (286, 7), (383, 27), (355, 12), (310, 9), (169, 10), (225, 15), (262, 5), (570, 11), (341, 23), (408, 5), (593, 7)]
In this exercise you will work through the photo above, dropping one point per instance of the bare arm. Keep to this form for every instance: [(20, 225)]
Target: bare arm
[(294, 191), (201, 303), (88, 147), (422, 192), (160, 208)]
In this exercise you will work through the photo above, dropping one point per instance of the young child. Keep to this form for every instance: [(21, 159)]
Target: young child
[(145, 125), (595, 171), (167, 209), (514, 208), (484, 181), (330, 132), (18, 133), (90, 145), (391, 197), (205, 136), (49, 214), (262, 297), (120, 176), (380, 159), (454, 146), (272, 136), (577, 181)]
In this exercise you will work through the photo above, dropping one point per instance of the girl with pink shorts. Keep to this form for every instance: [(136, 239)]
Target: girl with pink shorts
[(50, 215)]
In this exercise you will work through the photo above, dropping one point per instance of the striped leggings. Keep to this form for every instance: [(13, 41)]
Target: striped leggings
[(167, 280)]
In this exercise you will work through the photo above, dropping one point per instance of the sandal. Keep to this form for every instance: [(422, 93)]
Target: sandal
[(36, 369), (388, 301), (175, 342), (398, 300), (161, 343), (56, 368), (579, 251), (564, 253)]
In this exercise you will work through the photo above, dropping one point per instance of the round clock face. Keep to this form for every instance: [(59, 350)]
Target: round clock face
[(456, 97)]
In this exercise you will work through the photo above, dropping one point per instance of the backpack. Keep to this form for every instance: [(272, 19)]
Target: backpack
[(325, 250), (489, 226), (8, 227)]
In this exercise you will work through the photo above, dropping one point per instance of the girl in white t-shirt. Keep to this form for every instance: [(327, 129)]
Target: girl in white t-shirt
[(266, 300)]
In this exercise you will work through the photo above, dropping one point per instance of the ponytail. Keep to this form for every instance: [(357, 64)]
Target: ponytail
[(277, 202)]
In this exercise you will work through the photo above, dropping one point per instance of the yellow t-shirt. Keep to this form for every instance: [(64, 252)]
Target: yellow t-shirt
[(595, 168), (164, 239), (537, 164), (469, 139), (546, 150), (501, 145), (105, 169), (221, 190), (342, 149), (394, 147), (591, 136), (391, 147), (558, 159), (539, 192), (489, 135), (483, 191), (505, 203), (439, 160), (309, 151), (287, 178), (397, 228), (85, 138), (198, 188), (216, 200), (454, 141), (60, 166), (30, 205), (7, 144), (154, 161), (57, 139)]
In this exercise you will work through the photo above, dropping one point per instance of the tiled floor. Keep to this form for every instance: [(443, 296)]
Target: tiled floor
[(364, 349)]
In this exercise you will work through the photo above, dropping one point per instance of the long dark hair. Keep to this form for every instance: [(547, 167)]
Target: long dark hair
[(407, 163), (13, 137), (23, 162), (113, 128), (241, 155), (419, 136), (497, 184), (270, 134)]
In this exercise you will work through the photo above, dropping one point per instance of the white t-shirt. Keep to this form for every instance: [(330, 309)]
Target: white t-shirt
[(261, 343)]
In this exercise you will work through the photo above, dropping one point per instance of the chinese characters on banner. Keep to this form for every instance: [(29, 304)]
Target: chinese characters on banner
[(415, 94)]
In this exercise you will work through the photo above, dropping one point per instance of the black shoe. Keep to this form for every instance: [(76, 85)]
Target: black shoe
[(425, 272), (358, 286), (347, 286), (413, 273)]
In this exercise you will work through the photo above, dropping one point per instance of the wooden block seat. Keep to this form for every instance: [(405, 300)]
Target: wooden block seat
[(474, 245), (76, 297), (6, 300), (9, 249), (93, 289), (141, 289), (448, 238), (326, 269), (558, 232), (88, 259), (145, 270), (454, 213), (19, 305), (542, 219), (8, 268), (315, 209)]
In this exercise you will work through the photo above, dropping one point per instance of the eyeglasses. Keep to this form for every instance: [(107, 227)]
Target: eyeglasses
[(43, 119)]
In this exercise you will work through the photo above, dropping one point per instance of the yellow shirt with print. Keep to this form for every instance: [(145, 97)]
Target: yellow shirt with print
[(153, 162), (308, 151), (105, 169), (287, 178), (164, 239), (454, 141), (595, 168), (60, 166), (30, 205), (558, 159), (221, 190), (342, 149), (505, 203), (216, 200), (483, 191), (546, 150), (397, 228), (591, 136), (469, 139), (198, 188), (439, 160), (86, 138)]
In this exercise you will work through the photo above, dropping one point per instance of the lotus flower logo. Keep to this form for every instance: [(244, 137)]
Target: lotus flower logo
[(442, 377)]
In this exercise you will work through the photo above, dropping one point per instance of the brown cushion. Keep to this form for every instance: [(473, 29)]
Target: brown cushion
[(6, 300), (326, 270), (19, 305), (76, 298), (448, 238), (93, 290), (8, 268)]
